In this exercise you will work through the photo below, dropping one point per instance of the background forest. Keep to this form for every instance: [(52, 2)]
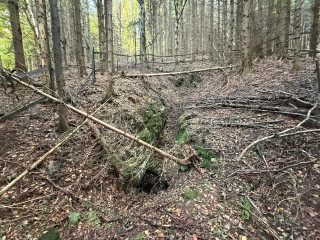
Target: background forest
[(213, 28)]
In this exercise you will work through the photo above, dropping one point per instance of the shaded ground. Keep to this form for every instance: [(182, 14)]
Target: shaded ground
[(228, 202)]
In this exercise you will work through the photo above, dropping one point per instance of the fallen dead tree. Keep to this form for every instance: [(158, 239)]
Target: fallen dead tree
[(185, 161), (286, 105), (177, 73)]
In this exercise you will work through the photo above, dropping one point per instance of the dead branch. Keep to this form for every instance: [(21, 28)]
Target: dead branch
[(97, 135), (34, 165), (127, 135), (282, 133), (177, 73)]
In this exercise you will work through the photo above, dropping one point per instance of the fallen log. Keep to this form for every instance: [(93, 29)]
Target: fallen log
[(177, 73), (185, 161), (21, 109)]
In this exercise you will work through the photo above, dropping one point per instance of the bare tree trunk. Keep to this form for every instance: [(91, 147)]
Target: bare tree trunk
[(297, 31), (45, 59), (63, 34), (110, 37), (288, 13), (282, 33), (231, 24), (101, 28), (202, 31), (211, 30), (314, 29), (194, 29), (13, 6), (246, 61), (79, 44), (270, 33), (143, 50), (239, 26), (55, 29), (260, 28)]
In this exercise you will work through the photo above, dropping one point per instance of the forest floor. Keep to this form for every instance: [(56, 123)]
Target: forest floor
[(271, 194)]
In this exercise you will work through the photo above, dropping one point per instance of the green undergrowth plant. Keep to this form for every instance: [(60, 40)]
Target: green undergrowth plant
[(245, 212), (209, 158)]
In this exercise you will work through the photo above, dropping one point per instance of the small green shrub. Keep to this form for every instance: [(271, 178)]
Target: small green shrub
[(245, 212), (209, 159), (74, 218)]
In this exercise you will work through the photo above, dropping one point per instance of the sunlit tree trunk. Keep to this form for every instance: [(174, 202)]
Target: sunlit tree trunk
[(110, 37), (57, 56), (13, 6), (143, 50)]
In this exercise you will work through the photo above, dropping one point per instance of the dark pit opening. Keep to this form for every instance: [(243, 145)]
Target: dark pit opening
[(153, 183)]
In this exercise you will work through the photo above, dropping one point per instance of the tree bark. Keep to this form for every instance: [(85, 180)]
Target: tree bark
[(79, 42), (101, 28), (110, 37), (314, 29), (13, 6), (57, 56), (211, 30), (297, 31), (45, 59), (246, 38), (143, 50), (270, 34)]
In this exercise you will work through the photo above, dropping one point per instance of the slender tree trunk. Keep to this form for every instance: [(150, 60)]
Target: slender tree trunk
[(246, 61), (110, 37), (219, 20), (194, 29), (202, 30), (282, 33), (231, 24), (45, 59), (79, 43), (270, 34), (239, 26), (211, 30), (13, 6), (101, 28), (297, 38), (314, 29), (143, 50), (57, 56), (63, 33), (260, 32), (288, 18)]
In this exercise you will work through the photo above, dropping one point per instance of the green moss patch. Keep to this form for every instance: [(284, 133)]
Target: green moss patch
[(182, 134), (195, 79), (209, 158), (50, 234), (190, 194)]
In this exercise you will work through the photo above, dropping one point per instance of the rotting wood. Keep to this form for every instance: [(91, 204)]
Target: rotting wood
[(185, 161), (177, 73), (23, 108), (35, 164)]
